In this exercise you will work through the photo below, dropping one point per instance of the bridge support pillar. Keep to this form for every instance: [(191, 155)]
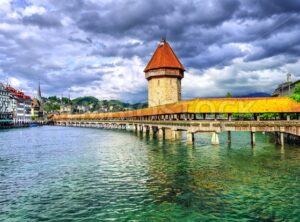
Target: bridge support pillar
[(229, 117), (139, 129), (190, 137), (282, 139), (161, 133), (151, 131), (168, 134), (229, 136), (144, 130), (175, 135), (253, 140), (215, 139)]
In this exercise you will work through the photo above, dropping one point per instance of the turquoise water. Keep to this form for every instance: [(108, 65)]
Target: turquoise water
[(75, 174)]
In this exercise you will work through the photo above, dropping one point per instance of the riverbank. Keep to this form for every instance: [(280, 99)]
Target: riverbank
[(11, 126), (25, 125)]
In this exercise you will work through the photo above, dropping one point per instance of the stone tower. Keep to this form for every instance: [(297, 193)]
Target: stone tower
[(164, 73)]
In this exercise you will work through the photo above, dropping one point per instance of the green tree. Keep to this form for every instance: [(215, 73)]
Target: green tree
[(86, 100), (66, 100), (53, 99), (228, 95), (297, 89), (49, 107), (296, 95)]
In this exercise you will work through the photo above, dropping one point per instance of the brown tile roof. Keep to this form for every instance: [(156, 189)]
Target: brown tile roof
[(164, 57), (35, 103), (17, 93)]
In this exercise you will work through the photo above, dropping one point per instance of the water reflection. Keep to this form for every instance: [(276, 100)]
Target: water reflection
[(219, 179)]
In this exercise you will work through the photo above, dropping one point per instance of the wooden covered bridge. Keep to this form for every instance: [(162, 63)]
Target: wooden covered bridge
[(279, 115)]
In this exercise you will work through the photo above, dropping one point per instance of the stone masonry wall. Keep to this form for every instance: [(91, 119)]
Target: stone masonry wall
[(163, 91)]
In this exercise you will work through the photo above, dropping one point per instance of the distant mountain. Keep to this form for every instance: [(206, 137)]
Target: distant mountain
[(255, 94), (250, 95)]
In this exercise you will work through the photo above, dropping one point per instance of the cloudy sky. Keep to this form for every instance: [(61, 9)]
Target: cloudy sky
[(100, 47)]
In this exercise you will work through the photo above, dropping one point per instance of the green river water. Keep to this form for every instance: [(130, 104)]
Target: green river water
[(76, 174)]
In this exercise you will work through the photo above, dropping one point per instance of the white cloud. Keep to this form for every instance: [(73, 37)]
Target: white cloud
[(14, 82), (32, 9), (5, 5), (127, 79)]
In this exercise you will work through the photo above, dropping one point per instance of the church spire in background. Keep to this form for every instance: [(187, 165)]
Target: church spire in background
[(39, 92)]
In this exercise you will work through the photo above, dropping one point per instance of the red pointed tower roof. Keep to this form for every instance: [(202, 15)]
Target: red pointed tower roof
[(164, 57)]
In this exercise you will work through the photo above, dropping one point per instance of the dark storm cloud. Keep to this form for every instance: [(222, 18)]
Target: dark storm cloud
[(155, 17), (283, 43), (77, 43), (125, 50), (122, 16), (267, 8), (43, 21), (215, 56)]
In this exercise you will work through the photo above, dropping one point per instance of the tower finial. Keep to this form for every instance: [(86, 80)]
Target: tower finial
[(164, 39)]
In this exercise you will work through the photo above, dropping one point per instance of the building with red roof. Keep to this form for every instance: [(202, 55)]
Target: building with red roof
[(164, 73), (21, 105)]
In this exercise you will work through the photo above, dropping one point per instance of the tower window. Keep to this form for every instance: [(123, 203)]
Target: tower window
[(158, 82)]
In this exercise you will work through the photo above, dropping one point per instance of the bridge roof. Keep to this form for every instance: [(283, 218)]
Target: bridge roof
[(223, 105), (243, 105), (164, 57)]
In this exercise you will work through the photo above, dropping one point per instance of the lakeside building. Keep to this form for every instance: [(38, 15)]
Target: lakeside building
[(66, 109), (21, 105), (83, 108), (6, 107), (287, 88)]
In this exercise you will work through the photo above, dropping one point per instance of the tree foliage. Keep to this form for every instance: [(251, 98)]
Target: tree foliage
[(228, 95), (49, 107), (85, 101), (297, 89), (296, 95)]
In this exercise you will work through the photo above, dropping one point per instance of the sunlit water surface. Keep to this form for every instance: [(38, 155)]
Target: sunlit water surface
[(75, 174)]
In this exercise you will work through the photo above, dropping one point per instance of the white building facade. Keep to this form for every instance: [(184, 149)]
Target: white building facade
[(23, 111), (21, 106), (6, 107)]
